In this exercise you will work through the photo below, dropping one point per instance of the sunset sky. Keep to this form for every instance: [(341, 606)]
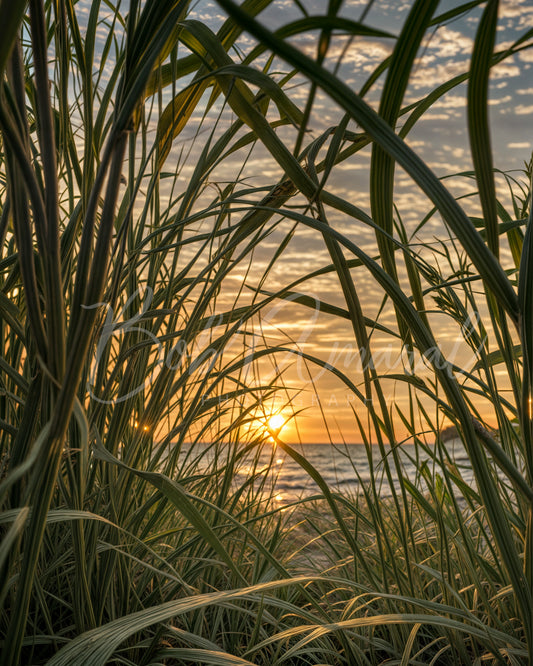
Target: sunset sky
[(440, 138)]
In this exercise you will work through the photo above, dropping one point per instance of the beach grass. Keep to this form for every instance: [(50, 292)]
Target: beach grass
[(133, 353)]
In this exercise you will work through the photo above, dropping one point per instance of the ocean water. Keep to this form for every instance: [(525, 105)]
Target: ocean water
[(347, 468)]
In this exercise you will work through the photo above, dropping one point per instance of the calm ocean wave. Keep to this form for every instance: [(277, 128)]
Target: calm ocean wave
[(346, 468)]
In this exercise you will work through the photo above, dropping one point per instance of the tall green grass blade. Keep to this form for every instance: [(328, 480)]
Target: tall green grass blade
[(53, 278), (525, 296), (382, 163), (11, 15), (478, 121)]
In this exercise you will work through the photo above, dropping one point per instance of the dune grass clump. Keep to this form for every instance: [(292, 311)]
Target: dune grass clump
[(140, 243)]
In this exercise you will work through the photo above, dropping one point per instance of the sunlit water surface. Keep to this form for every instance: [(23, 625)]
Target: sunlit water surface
[(345, 468)]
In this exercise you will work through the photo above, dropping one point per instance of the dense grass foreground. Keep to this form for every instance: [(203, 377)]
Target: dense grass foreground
[(127, 335)]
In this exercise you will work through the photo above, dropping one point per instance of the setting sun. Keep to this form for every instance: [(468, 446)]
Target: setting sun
[(276, 422)]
